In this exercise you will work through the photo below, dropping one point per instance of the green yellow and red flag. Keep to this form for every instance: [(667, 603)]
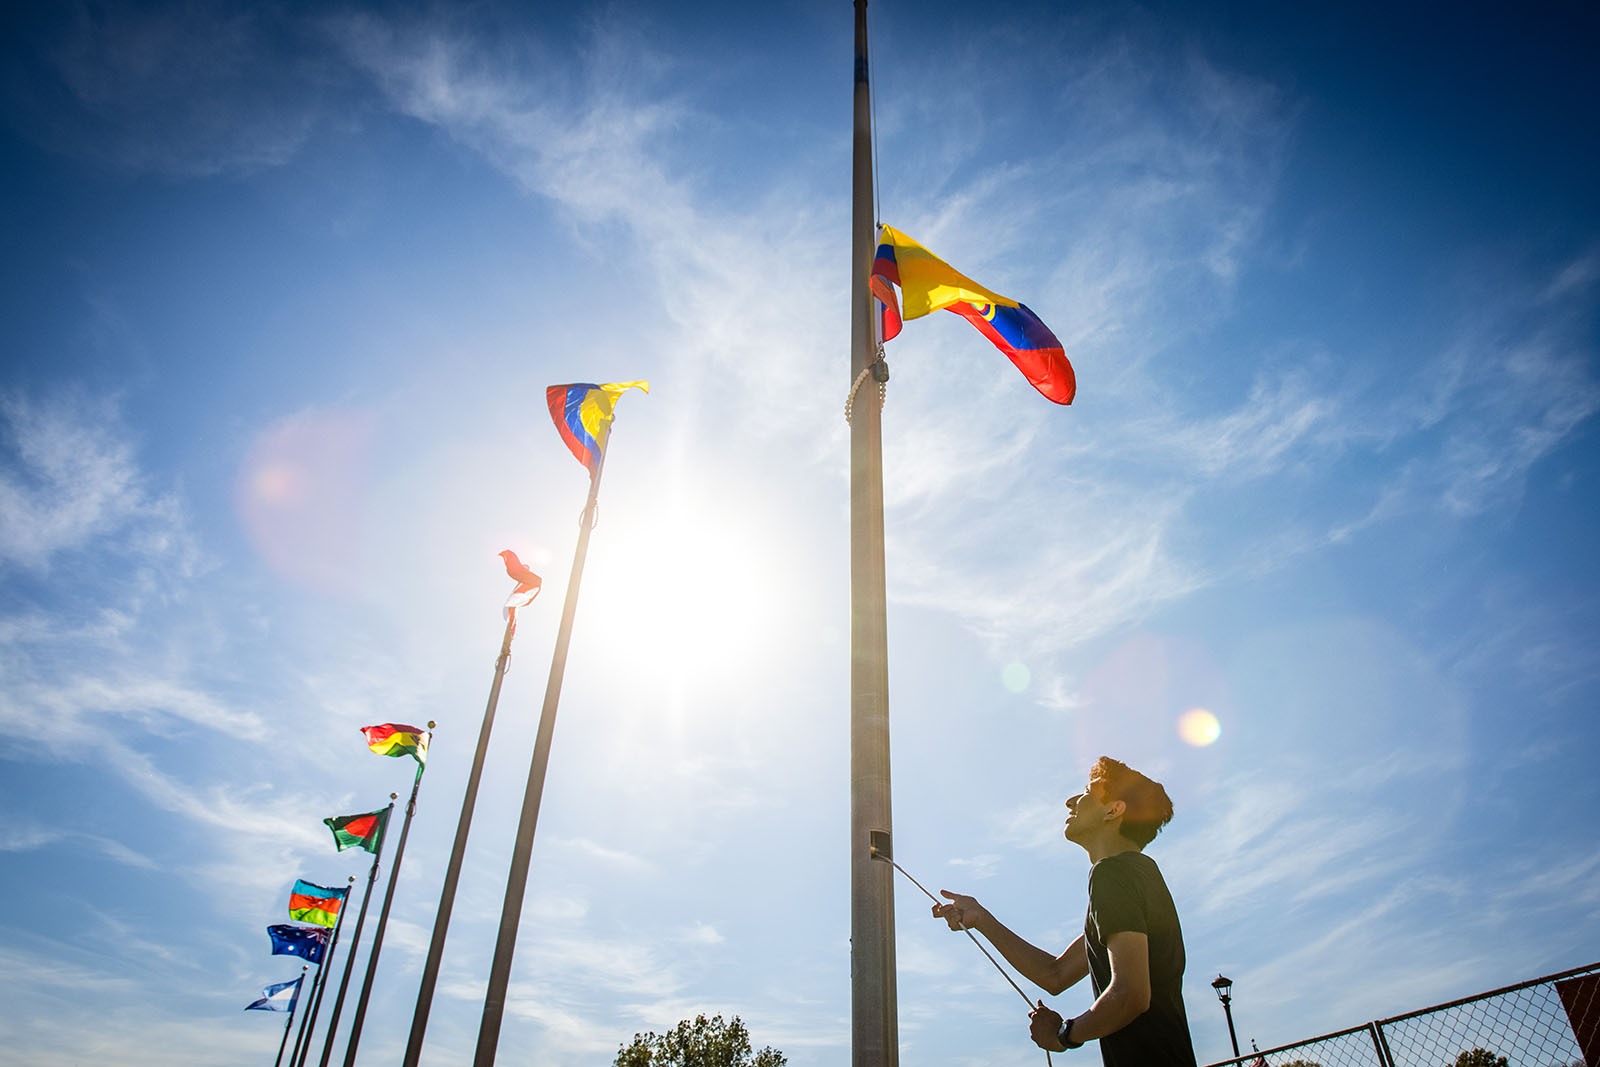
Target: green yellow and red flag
[(359, 831), (315, 904), (397, 739)]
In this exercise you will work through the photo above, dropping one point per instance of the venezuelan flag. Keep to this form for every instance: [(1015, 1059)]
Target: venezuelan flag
[(315, 904), (583, 413), (928, 284), (398, 739)]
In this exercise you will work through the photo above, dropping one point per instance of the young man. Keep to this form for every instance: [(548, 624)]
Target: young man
[(1131, 947)]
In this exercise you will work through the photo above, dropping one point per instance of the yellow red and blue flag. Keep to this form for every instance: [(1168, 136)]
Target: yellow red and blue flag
[(583, 413), (928, 284)]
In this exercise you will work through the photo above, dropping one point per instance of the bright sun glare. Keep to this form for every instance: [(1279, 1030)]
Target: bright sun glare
[(695, 596)]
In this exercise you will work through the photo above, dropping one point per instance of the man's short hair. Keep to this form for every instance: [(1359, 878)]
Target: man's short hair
[(1149, 807)]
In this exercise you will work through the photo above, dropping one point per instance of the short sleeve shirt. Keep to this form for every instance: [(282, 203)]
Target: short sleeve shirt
[(1128, 894)]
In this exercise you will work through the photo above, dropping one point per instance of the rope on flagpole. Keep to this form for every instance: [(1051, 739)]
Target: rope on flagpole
[(878, 369), (876, 854)]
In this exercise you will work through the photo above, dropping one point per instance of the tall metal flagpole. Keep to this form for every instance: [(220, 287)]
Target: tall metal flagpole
[(383, 917), (293, 1004), (297, 1058), (874, 1028), (494, 1001), (355, 937), (452, 874)]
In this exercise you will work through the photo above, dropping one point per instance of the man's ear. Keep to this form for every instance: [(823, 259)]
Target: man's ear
[(1116, 809)]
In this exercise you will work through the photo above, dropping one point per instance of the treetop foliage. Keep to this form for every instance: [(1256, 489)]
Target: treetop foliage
[(1480, 1057), (700, 1043)]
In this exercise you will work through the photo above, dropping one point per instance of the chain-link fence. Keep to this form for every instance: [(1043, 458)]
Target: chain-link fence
[(1552, 1021)]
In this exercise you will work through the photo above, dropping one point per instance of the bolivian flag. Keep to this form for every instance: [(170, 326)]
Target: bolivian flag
[(397, 739), (315, 904), (359, 831)]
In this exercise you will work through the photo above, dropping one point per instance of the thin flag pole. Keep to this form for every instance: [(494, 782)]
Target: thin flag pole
[(301, 1050), (452, 874), (295, 1003), (874, 1035), (355, 936), (300, 1034), (383, 915), (494, 1001)]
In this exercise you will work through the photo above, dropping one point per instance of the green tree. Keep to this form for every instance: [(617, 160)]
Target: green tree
[(1480, 1057), (701, 1043), (1300, 1063)]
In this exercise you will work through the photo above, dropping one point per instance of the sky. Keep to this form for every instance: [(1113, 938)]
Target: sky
[(284, 285)]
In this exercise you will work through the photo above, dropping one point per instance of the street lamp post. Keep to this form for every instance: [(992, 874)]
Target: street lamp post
[(1224, 988)]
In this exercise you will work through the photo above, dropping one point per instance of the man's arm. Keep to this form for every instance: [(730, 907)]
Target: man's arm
[(1124, 1000), (1051, 973)]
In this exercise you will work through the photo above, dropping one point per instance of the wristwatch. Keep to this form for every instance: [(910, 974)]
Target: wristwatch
[(1064, 1035)]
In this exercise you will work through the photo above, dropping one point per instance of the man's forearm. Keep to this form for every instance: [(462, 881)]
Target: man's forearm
[(1112, 1010), (1031, 961)]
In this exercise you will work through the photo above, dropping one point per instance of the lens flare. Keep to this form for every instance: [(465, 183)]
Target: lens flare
[(1199, 727), (1015, 677), (302, 497)]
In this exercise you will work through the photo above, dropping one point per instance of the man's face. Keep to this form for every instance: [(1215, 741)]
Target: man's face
[(1085, 813)]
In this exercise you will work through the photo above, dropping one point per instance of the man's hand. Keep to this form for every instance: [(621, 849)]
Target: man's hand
[(961, 913), (1044, 1026)]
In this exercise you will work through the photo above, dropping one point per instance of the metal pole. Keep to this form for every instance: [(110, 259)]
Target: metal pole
[(383, 919), (1385, 1057), (494, 1001), (295, 1003), (355, 938), (1227, 1009), (452, 874), (302, 1050), (874, 1038), (299, 1035)]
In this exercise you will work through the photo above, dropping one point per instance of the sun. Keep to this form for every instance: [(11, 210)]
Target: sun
[(694, 595)]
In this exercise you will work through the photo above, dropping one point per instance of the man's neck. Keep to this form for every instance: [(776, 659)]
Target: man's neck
[(1110, 845)]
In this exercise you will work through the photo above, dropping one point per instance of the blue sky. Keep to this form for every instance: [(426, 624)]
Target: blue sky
[(284, 286)]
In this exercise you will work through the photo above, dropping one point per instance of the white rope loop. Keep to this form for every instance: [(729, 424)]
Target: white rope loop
[(855, 387)]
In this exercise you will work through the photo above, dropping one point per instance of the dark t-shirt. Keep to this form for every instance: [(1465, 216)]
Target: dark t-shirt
[(1127, 893)]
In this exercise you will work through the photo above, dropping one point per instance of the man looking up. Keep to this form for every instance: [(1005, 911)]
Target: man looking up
[(1131, 947)]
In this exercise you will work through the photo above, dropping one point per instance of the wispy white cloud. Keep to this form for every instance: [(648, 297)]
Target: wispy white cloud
[(25, 837), (609, 857), (68, 476), (981, 866)]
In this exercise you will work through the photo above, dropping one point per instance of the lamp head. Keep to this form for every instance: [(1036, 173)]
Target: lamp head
[(1223, 986)]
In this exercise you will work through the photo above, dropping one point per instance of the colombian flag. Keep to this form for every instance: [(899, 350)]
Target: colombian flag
[(927, 284), (315, 904), (583, 413), (397, 739), (359, 831)]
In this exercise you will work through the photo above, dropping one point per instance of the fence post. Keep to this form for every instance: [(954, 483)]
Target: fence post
[(1381, 1043)]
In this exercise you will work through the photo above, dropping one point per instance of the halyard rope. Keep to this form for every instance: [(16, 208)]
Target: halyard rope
[(1025, 998)]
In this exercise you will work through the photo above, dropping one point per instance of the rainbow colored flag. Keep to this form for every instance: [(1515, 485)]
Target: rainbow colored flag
[(397, 739), (359, 831), (583, 413), (316, 904), (928, 284)]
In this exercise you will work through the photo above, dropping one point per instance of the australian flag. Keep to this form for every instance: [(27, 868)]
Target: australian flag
[(307, 942)]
